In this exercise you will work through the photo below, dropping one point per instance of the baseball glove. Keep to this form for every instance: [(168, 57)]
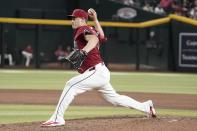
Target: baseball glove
[(76, 58)]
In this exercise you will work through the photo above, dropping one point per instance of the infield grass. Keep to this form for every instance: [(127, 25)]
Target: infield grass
[(55, 80), (128, 82), (30, 113)]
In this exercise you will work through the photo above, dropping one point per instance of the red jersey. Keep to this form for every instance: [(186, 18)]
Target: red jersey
[(29, 49), (93, 56)]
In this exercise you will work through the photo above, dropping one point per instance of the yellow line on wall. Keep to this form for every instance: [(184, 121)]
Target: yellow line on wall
[(154, 22), (35, 21), (183, 19), (117, 24), (105, 24)]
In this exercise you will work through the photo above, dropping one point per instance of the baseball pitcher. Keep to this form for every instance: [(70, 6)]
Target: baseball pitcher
[(93, 72)]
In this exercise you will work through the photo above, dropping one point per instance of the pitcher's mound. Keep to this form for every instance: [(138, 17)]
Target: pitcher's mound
[(112, 124)]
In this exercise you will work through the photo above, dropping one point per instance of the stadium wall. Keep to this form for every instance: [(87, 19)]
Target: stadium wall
[(132, 43)]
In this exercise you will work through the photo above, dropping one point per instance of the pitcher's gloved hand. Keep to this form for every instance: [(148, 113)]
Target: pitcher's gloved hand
[(76, 57)]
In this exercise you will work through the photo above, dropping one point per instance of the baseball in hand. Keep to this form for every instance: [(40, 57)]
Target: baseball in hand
[(90, 12)]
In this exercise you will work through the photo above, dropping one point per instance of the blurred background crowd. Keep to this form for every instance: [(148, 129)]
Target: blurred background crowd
[(186, 8)]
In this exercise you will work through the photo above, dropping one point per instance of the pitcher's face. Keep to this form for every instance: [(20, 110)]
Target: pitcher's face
[(76, 22)]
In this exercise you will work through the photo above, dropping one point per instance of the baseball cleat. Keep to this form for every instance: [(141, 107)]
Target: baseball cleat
[(152, 113), (52, 124)]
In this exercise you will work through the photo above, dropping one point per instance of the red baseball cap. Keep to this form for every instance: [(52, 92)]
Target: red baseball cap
[(80, 13)]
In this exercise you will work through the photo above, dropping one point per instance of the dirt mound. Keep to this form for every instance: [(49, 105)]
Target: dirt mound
[(113, 124)]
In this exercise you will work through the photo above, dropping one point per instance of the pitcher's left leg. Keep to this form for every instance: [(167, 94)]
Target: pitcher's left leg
[(72, 88), (110, 95)]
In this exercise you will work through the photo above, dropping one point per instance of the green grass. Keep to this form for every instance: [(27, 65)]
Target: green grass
[(132, 82), (55, 80), (30, 113)]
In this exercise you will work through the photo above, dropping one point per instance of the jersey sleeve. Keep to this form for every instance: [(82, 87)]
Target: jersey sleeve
[(87, 30), (84, 31), (102, 39)]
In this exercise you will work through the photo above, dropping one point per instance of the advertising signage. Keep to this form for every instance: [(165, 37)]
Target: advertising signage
[(188, 50)]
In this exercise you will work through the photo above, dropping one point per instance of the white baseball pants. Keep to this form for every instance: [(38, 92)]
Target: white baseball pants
[(28, 57), (9, 57), (98, 78)]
